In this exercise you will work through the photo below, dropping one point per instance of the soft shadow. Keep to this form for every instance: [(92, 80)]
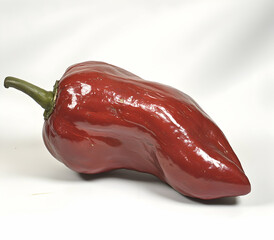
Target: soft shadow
[(218, 201), (121, 174), (30, 158), (156, 186)]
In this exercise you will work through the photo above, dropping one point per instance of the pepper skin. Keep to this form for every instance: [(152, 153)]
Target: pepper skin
[(103, 117)]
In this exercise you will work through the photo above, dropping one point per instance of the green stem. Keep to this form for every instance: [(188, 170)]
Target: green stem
[(46, 99)]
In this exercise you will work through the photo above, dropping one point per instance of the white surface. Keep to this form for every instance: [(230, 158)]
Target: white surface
[(219, 52)]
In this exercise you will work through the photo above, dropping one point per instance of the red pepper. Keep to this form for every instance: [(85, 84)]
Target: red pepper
[(101, 117)]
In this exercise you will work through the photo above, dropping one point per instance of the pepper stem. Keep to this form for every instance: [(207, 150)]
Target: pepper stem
[(46, 99)]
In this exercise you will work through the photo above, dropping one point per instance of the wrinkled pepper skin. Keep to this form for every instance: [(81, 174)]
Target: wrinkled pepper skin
[(107, 118)]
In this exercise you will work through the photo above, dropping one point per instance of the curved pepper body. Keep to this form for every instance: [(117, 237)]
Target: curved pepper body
[(106, 118)]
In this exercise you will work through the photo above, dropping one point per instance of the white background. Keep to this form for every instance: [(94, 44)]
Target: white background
[(219, 52)]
